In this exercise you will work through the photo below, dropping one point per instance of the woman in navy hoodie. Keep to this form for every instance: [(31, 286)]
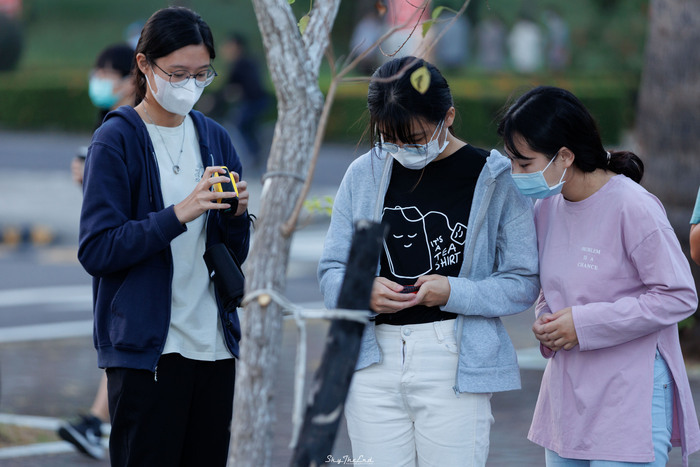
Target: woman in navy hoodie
[(148, 215)]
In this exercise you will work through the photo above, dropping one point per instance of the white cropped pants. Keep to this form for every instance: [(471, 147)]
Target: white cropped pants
[(403, 411)]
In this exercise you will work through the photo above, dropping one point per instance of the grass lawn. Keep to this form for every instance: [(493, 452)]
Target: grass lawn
[(12, 435)]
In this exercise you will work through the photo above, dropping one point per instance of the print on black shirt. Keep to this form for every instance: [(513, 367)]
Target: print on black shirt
[(427, 212), (412, 251)]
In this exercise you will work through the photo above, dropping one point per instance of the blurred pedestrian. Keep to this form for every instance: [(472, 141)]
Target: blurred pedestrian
[(366, 32), (148, 215), (460, 252), (452, 51), (409, 40), (558, 41), (110, 86), (526, 45), (245, 95), (491, 44), (615, 283)]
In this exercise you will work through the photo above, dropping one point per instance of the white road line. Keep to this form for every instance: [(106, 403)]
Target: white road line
[(69, 329), (36, 332), (46, 295), (30, 421)]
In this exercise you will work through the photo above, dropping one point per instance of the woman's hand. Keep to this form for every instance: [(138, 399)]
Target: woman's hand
[(556, 331), (243, 194), (434, 290), (202, 198), (77, 167), (387, 297)]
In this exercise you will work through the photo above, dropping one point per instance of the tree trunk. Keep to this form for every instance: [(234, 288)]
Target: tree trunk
[(332, 380), (669, 99), (294, 62), (667, 125)]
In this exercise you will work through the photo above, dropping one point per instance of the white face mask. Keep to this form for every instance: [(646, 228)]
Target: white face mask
[(175, 100), (417, 156)]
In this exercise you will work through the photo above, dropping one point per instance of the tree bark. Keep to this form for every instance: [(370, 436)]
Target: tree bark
[(332, 379), (668, 121), (294, 63), (669, 98)]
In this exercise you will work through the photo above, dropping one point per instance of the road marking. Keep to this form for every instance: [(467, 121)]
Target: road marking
[(70, 329), (30, 421), (37, 332), (78, 294)]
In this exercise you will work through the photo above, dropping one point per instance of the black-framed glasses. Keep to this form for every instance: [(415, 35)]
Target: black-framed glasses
[(180, 79)]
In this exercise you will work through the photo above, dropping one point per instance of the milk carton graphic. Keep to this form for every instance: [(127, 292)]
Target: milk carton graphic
[(407, 237)]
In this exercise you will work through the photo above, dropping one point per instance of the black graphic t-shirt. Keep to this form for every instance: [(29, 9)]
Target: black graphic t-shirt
[(427, 213)]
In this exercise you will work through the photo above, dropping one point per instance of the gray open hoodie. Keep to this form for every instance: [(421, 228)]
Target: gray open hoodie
[(499, 274)]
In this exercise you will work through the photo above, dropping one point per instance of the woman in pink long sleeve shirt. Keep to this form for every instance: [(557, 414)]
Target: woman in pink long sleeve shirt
[(615, 283)]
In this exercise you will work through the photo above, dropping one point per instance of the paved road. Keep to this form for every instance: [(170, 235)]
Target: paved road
[(47, 362)]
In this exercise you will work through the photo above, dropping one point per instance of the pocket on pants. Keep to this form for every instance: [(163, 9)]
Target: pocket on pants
[(664, 387), (445, 334), (668, 399)]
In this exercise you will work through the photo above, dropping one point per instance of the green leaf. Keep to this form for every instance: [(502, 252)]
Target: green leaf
[(316, 205), (420, 79), (291, 2), (303, 22), (437, 11), (426, 26)]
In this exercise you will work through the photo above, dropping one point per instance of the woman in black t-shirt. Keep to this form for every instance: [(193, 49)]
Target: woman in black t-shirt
[(459, 253)]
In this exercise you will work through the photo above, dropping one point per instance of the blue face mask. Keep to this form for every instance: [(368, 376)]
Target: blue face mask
[(102, 93), (535, 185)]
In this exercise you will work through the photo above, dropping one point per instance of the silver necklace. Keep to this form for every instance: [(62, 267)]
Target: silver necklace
[(176, 166)]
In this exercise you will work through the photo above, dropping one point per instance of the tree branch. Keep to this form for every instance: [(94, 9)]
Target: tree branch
[(290, 224), (318, 32)]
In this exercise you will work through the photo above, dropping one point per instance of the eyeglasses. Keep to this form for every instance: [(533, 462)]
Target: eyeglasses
[(419, 149), (393, 148), (180, 79)]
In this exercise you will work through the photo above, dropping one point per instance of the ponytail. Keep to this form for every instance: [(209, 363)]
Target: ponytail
[(626, 163)]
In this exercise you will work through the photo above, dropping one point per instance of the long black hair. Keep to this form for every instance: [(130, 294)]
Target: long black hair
[(166, 31), (394, 103), (549, 118)]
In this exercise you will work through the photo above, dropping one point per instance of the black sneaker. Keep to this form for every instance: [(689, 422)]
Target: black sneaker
[(85, 434)]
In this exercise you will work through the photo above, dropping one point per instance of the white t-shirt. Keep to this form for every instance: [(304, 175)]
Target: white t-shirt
[(195, 329)]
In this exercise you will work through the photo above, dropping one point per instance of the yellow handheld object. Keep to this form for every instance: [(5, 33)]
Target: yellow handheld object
[(230, 187)]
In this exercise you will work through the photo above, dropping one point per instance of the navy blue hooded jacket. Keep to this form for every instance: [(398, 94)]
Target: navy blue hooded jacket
[(125, 235)]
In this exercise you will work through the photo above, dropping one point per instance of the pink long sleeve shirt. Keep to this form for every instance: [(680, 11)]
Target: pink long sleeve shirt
[(614, 259)]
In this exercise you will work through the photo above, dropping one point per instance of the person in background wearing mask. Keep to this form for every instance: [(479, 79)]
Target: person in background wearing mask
[(111, 86), (462, 237), (148, 215), (615, 283)]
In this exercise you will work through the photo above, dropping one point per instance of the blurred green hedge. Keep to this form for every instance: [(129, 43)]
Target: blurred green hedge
[(62, 103), (480, 100)]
